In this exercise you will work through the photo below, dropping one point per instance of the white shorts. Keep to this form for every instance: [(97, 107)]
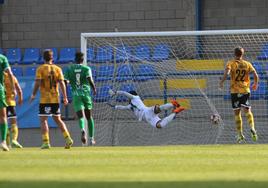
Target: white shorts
[(151, 117)]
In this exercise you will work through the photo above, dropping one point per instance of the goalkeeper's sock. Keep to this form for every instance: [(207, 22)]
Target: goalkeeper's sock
[(4, 129), (238, 122), (82, 123), (14, 131), (45, 138), (164, 122), (250, 119), (91, 127)]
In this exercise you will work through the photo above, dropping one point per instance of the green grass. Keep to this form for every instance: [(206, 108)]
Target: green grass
[(165, 166)]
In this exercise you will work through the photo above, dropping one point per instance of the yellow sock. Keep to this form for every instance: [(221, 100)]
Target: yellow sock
[(238, 122), (8, 138), (14, 132), (250, 119), (45, 138), (66, 134)]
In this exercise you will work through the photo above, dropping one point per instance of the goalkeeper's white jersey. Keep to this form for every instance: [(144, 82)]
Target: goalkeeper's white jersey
[(138, 107)]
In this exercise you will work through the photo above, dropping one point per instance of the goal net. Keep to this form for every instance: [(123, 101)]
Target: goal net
[(161, 66)]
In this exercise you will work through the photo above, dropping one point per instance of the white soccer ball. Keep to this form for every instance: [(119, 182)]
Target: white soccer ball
[(215, 118)]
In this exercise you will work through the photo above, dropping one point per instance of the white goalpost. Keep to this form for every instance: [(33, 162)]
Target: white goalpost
[(181, 65)]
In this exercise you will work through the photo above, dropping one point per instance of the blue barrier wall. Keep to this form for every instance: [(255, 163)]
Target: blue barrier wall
[(27, 113)]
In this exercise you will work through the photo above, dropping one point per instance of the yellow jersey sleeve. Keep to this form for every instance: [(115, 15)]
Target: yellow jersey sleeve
[(10, 97)]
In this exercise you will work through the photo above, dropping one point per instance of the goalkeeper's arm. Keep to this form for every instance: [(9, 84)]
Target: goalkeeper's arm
[(128, 95), (121, 107)]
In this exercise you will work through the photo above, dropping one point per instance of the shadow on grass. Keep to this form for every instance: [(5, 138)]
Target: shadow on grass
[(198, 184)]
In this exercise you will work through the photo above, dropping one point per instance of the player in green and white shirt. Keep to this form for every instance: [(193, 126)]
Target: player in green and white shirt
[(4, 67), (81, 81)]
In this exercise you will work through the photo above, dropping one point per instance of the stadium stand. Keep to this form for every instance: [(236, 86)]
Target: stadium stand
[(160, 52), (141, 53), (127, 88), (31, 55), (17, 71), (105, 72), (264, 53), (66, 55), (102, 93), (93, 71), (184, 83), (14, 55), (200, 65), (30, 71), (145, 72), (90, 54), (124, 72), (123, 53), (104, 54), (258, 67), (260, 93), (1, 51)]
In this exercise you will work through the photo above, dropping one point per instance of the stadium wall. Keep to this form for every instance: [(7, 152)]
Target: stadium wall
[(58, 23)]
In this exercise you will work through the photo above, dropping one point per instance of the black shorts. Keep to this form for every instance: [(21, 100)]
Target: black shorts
[(240, 100), (11, 112), (49, 109)]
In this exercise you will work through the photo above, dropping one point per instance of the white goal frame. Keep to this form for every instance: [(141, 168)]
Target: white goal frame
[(84, 36), (198, 45)]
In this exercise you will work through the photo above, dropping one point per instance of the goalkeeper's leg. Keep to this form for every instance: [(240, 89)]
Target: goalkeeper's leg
[(174, 104)]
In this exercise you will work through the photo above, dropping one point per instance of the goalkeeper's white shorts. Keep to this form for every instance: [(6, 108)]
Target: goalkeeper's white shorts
[(151, 117)]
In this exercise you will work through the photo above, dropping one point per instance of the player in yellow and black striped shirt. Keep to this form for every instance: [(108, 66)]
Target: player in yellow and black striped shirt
[(48, 77), (240, 70), (11, 109)]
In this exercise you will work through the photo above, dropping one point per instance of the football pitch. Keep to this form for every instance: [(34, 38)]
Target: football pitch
[(159, 166)]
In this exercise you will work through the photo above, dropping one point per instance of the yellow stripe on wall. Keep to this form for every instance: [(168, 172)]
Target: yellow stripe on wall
[(204, 64), (183, 102), (184, 83)]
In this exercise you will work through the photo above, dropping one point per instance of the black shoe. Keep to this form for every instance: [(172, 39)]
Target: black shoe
[(83, 137)]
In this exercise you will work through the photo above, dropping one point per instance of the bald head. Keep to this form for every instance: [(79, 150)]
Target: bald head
[(239, 52)]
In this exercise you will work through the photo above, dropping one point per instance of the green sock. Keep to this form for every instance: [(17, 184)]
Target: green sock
[(82, 123), (91, 129), (4, 129)]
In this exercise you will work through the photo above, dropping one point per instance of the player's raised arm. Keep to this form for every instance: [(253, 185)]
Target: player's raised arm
[(129, 95), (122, 107)]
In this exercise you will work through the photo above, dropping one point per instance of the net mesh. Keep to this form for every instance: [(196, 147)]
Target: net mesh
[(186, 68)]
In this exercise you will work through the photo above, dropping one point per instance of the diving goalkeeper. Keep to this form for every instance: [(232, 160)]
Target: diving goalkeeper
[(148, 114)]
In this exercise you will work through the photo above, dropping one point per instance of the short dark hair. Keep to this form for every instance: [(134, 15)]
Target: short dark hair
[(238, 51), (47, 54), (132, 92), (79, 57)]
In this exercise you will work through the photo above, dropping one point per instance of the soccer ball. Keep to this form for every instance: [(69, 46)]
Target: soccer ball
[(215, 118)]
